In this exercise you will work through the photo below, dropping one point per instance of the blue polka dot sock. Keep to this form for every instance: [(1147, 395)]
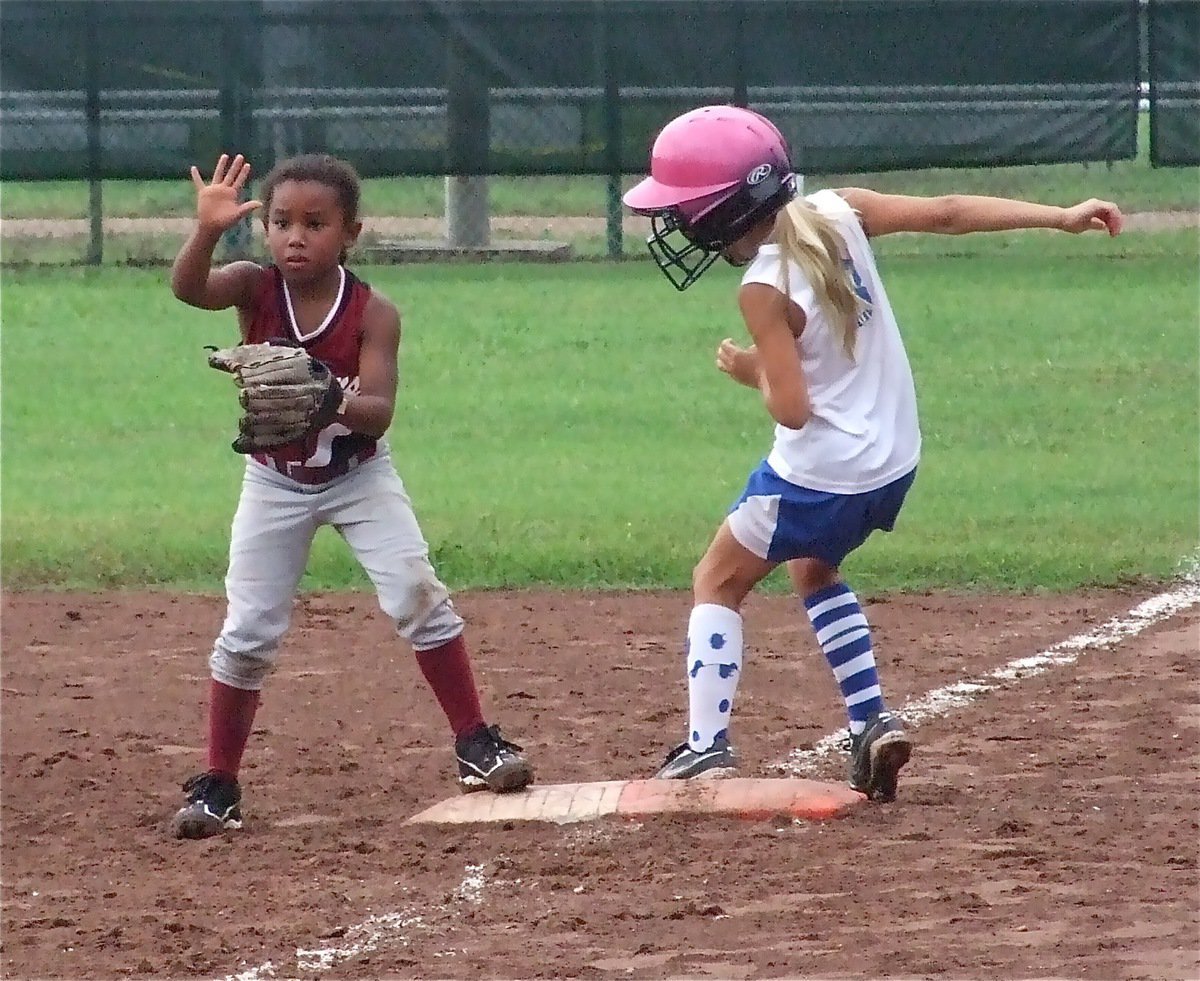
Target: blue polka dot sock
[(714, 665), (845, 637)]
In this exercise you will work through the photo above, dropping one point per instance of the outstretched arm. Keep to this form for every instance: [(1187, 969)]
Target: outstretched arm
[(957, 214)]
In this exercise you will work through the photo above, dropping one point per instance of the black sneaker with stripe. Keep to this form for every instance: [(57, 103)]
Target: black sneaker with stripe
[(685, 763), (877, 755), (487, 761), (214, 805)]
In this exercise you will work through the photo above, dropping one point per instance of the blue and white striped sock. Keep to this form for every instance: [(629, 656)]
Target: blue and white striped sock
[(714, 665), (845, 637)]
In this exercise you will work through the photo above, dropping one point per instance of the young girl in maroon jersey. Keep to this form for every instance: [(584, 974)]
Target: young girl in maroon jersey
[(341, 475)]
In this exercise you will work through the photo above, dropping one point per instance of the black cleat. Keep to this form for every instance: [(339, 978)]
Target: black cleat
[(685, 763), (214, 805), (877, 755), (487, 761)]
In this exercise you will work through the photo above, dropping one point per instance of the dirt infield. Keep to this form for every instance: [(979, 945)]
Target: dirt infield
[(1046, 829)]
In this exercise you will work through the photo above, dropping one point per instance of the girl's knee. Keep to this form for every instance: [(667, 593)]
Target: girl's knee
[(413, 596), (720, 583), (812, 575), (242, 669), (440, 626)]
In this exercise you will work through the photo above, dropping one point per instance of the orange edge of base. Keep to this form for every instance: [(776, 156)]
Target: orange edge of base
[(747, 798)]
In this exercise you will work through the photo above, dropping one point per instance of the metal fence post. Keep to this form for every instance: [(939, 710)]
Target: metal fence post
[(95, 252), (235, 127), (1147, 13), (468, 141), (614, 216), (286, 33), (741, 94)]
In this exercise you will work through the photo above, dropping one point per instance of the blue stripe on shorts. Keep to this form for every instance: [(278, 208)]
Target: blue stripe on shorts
[(779, 521)]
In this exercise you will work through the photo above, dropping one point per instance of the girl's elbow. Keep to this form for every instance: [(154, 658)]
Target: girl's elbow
[(379, 423), (788, 404), (941, 215), (791, 417), (185, 293)]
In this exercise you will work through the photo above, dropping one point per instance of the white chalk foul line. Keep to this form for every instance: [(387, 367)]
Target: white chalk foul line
[(943, 700), (362, 938), (373, 933)]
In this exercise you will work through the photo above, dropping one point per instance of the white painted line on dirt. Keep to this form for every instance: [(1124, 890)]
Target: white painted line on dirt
[(362, 938), (263, 972), (373, 933), (470, 890), (941, 701)]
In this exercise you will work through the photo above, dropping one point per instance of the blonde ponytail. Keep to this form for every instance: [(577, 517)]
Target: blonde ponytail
[(812, 241)]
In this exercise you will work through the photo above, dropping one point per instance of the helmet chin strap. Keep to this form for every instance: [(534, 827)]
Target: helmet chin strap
[(750, 242)]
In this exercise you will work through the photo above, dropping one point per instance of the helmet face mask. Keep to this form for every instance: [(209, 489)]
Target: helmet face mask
[(714, 227), (681, 259)]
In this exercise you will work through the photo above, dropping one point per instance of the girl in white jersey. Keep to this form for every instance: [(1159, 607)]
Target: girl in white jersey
[(829, 362)]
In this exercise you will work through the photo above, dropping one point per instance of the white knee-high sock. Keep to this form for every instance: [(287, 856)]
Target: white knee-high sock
[(714, 665)]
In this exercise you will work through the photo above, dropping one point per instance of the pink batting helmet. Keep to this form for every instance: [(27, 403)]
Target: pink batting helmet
[(715, 172)]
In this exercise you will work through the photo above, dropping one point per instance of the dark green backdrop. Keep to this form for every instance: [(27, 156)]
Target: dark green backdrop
[(1174, 82), (121, 89)]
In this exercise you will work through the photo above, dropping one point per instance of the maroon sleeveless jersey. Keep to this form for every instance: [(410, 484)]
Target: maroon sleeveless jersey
[(334, 450)]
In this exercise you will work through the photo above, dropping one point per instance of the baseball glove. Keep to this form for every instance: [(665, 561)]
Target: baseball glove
[(285, 394)]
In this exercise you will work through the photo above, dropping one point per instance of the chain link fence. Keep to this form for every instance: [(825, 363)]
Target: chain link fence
[(466, 88)]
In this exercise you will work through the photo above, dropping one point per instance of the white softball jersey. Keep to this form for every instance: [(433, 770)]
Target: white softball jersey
[(863, 432)]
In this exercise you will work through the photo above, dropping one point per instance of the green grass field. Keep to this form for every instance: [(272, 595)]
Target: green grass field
[(563, 425)]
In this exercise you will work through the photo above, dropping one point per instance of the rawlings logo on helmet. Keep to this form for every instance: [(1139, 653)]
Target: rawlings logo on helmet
[(759, 174)]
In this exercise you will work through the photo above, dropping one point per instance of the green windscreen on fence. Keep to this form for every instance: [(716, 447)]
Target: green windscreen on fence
[(122, 89), (1174, 82)]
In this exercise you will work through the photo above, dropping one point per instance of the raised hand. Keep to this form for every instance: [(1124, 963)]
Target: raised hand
[(1093, 215), (217, 206)]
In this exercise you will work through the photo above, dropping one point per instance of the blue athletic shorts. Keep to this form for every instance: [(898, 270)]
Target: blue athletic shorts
[(779, 521)]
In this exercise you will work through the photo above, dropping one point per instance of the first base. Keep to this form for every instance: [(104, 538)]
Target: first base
[(750, 799)]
